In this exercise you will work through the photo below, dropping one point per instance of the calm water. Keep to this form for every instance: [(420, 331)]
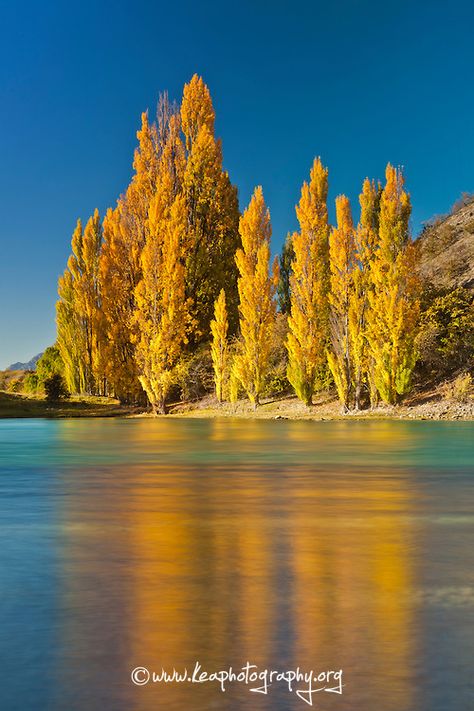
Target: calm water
[(332, 545)]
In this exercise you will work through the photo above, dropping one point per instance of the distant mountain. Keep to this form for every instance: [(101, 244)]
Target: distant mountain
[(446, 248), (31, 365)]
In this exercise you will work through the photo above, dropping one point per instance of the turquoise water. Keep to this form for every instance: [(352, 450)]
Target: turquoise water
[(323, 545)]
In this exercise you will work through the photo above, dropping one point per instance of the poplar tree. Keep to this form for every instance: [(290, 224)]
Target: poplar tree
[(393, 299), (69, 340), (212, 212), (366, 237), (341, 258), (162, 313), (308, 321), (219, 347), (197, 110), (257, 290), (125, 233), (118, 278), (88, 301), (78, 308)]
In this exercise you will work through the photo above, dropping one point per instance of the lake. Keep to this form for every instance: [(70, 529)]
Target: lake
[(156, 544)]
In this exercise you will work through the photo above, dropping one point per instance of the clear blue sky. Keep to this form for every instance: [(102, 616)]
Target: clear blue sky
[(359, 83)]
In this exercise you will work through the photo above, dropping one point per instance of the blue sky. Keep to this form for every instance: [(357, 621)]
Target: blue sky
[(359, 83)]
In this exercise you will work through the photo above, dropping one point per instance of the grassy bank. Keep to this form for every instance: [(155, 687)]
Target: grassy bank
[(17, 405)]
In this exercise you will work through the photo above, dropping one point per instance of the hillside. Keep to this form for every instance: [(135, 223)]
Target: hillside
[(447, 249)]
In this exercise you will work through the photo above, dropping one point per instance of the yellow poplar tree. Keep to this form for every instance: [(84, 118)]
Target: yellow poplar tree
[(308, 322), (162, 308), (212, 212), (118, 276), (69, 335), (161, 316), (257, 290), (341, 258), (196, 110), (88, 300), (366, 244), (219, 347), (137, 198), (125, 233), (393, 299), (78, 308)]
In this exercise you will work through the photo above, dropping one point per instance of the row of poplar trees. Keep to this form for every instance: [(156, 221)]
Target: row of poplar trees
[(174, 268)]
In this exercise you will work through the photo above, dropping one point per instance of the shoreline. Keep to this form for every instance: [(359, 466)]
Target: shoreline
[(290, 408), (424, 406)]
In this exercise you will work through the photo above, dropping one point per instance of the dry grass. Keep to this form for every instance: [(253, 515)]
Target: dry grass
[(17, 405)]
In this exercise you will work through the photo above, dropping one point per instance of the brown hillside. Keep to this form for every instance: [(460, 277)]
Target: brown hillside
[(447, 249)]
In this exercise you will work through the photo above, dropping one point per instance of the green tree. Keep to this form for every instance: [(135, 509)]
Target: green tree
[(283, 288), (49, 364)]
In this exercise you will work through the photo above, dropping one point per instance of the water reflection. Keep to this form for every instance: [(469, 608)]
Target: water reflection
[(286, 544)]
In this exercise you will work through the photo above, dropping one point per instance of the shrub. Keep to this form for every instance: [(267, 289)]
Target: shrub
[(55, 388), (15, 385), (459, 389), (195, 375), (446, 338), (276, 381), (30, 383)]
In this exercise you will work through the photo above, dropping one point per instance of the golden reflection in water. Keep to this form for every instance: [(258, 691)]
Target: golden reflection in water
[(352, 585), (223, 564)]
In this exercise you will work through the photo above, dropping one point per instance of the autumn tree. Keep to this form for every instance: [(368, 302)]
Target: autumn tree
[(125, 233), (366, 238), (219, 346), (162, 311), (308, 321), (161, 316), (79, 309), (212, 212), (197, 110), (393, 297), (88, 301), (69, 334), (341, 259), (257, 290)]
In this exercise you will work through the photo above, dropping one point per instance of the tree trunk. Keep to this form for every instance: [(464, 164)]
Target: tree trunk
[(357, 397), (161, 405)]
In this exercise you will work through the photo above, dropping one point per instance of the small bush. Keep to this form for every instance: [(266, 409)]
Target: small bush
[(195, 376), (15, 385), (30, 383), (459, 389), (55, 388)]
